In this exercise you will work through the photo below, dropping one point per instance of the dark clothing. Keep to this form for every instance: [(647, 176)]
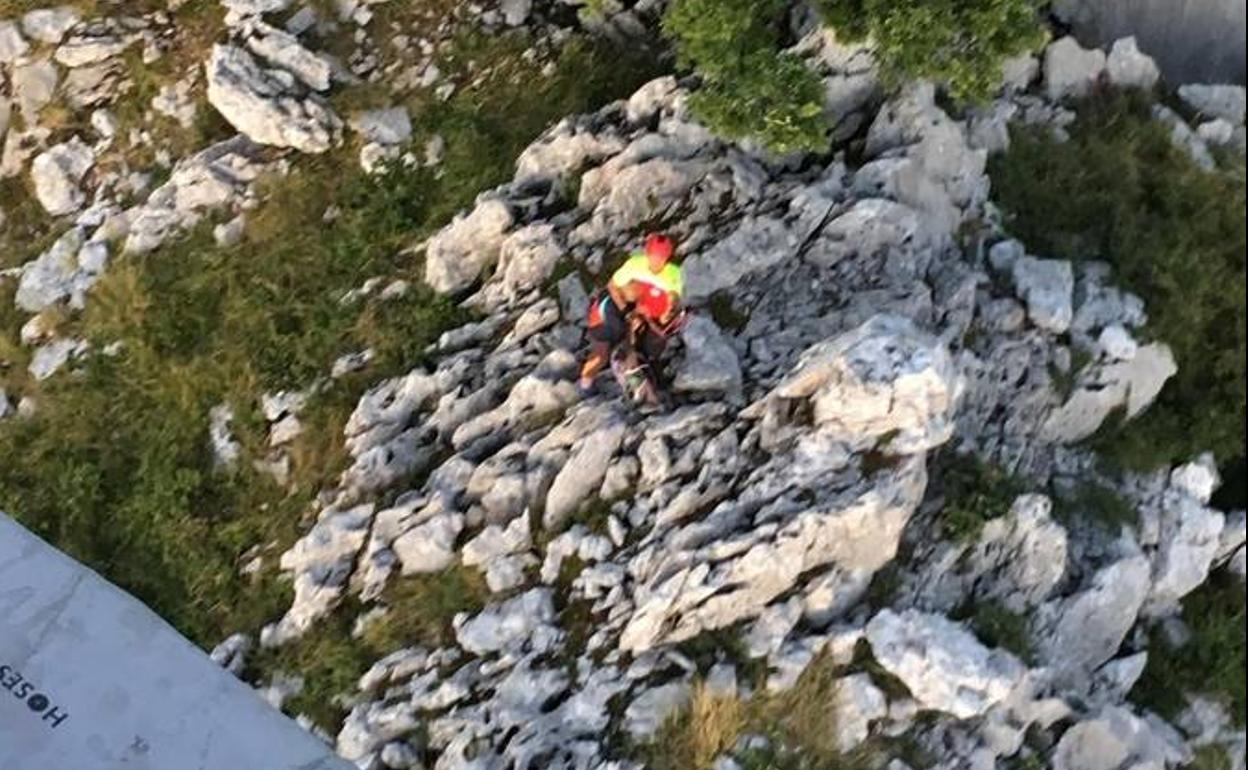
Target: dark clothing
[(607, 324)]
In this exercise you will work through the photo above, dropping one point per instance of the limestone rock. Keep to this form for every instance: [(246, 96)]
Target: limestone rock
[(1129, 67), (1078, 634), (12, 45), (1047, 286), (84, 50), (857, 703), (456, 254), (1131, 384), (1190, 538), (943, 664), (885, 377), (429, 547), (1070, 70), (49, 25), (56, 174), (283, 50), (391, 126), (710, 363), (321, 562), (583, 474), (1215, 101), (265, 105), (34, 83), (1118, 738), (756, 245)]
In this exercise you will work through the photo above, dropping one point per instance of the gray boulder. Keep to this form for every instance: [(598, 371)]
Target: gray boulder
[(1070, 70), (390, 126), (754, 246), (1117, 738), (886, 377), (266, 105), (321, 562), (33, 85), (1076, 635), (283, 50), (12, 45), (1047, 286), (583, 473), (942, 664), (710, 364), (1215, 101), (1129, 67), (49, 25), (57, 173), (456, 255), (1132, 385)]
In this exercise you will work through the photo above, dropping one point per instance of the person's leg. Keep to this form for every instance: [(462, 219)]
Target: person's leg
[(598, 354), (602, 338)]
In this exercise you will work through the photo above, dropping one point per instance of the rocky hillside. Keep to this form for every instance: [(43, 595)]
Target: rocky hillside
[(871, 531)]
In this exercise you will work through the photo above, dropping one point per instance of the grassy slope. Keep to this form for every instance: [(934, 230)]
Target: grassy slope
[(1119, 191), (115, 468)]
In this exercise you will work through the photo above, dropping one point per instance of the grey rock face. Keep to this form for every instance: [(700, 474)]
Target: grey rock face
[(710, 364), (1070, 69), (12, 45), (1047, 286), (1078, 634), (57, 173), (1215, 101), (1128, 66), (49, 25), (265, 104), (456, 255), (885, 378), (942, 664)]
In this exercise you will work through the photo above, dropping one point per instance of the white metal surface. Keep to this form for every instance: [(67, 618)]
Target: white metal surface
[(91, 679)]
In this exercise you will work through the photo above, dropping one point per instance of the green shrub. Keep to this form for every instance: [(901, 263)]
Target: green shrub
[(974, 492), (996, 626), (1212, 663), (750, 89), (1096, 501), (959, 44), (1119, 191)]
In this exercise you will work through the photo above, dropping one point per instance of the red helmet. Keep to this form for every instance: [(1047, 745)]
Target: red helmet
[(659, 245)]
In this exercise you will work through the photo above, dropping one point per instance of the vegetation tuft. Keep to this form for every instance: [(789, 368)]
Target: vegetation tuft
[(959, 44), (974, 492), (1212, 662)]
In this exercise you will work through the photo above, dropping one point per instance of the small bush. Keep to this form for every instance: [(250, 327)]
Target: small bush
[(750, 89), (698, 735), (996, 626), (1212, 663), (959, 44), (1098, 502), (974, 492), (1119, 191)]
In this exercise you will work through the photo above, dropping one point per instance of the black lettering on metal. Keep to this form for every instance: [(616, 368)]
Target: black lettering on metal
[(55, 716)]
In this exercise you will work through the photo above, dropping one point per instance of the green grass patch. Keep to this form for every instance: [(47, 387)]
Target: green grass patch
[(1119, 191), (1095, 501), (331, 660), (974, 492), (1212, 757), (996, 626), (1212, 663)]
